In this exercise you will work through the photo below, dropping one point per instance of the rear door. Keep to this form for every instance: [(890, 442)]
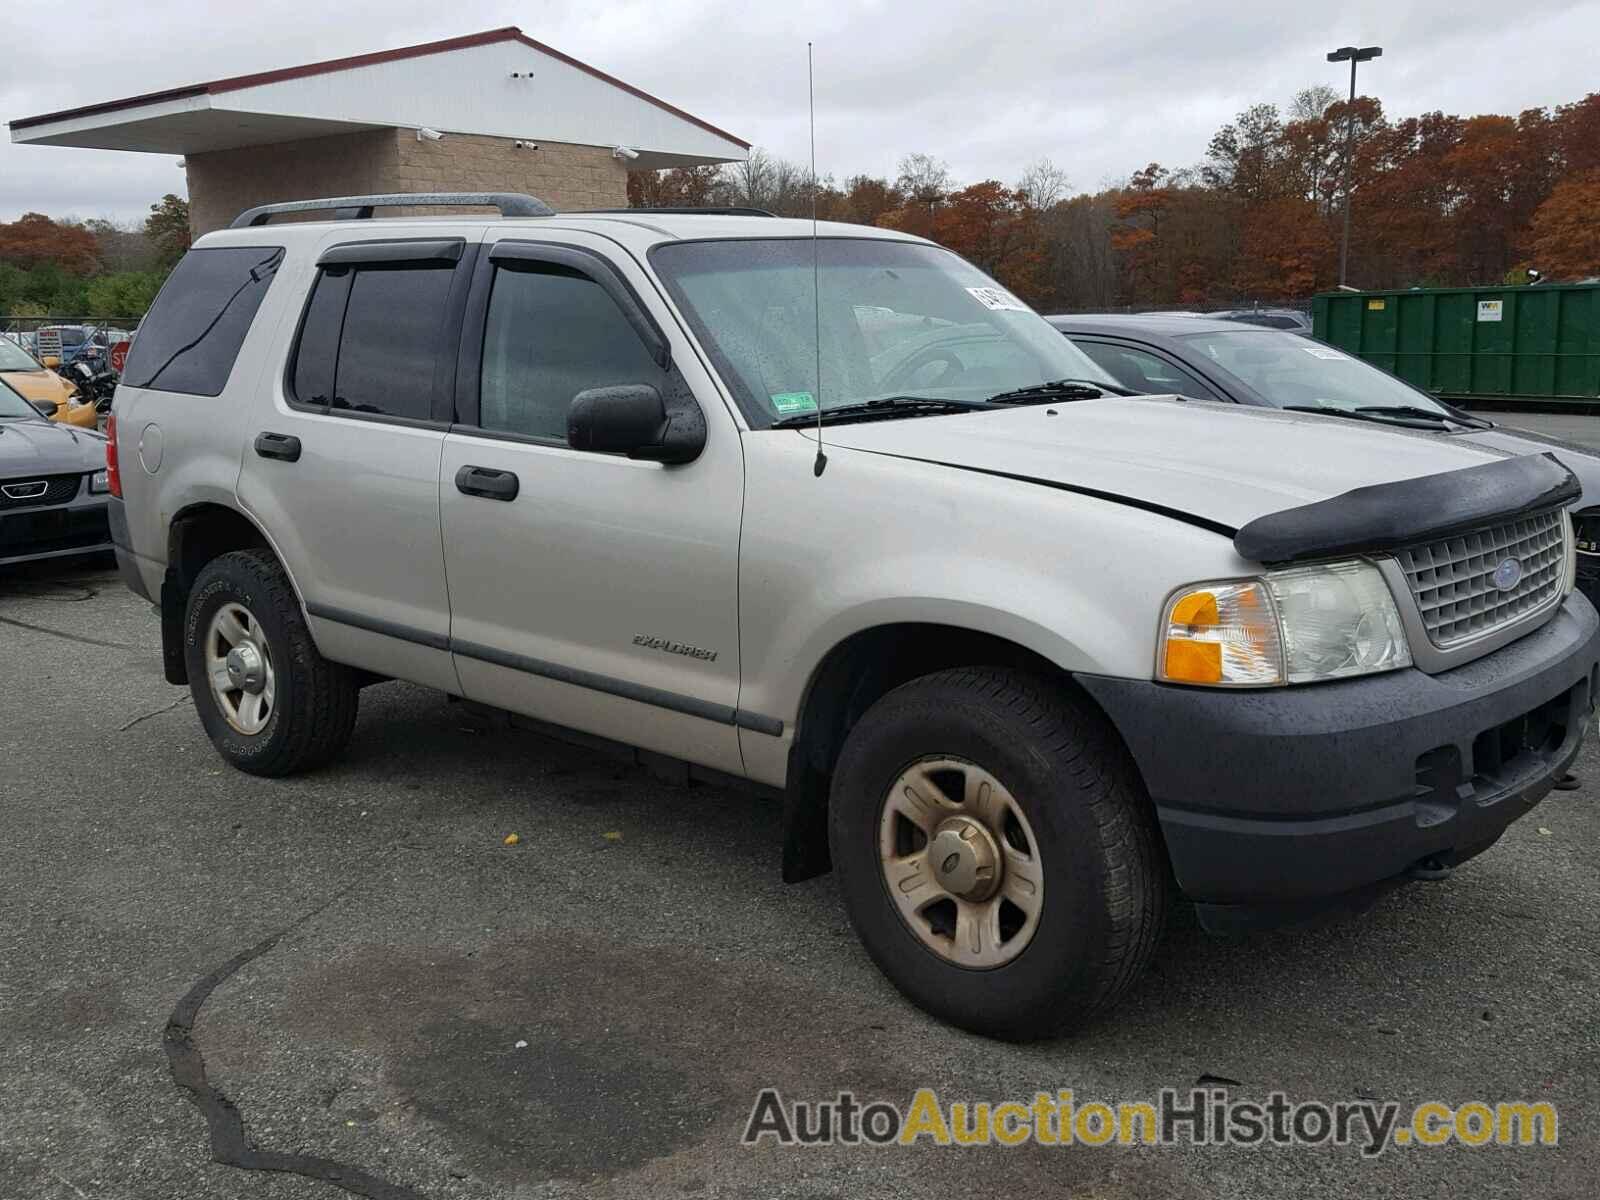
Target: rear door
[(590, 590), (342, 467)]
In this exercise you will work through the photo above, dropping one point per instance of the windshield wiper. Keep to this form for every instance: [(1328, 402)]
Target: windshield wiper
[(1355, 414), (884, 406), (1058, 389), (1411, 410)]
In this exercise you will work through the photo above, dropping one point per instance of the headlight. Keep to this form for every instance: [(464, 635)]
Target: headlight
[(1293, 626), (98, 482)]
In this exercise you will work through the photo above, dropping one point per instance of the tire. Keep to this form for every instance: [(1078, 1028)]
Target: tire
[(312, 708), (1075, 803)]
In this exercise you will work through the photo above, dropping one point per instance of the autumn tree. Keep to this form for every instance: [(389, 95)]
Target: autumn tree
[(677, 187), (1246, 155), (1286, 250), (1081, 269), (33, 240), (1137, 238), (1576, 129), (995, 228), (867, 199), (1564, 235)]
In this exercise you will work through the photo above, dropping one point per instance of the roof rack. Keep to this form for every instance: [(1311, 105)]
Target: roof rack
[(344, 208), (680, 210)]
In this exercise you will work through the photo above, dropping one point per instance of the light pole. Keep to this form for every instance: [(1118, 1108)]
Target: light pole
[(1355, 54)]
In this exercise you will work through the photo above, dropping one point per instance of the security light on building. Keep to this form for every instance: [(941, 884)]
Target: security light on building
[(456, 115)]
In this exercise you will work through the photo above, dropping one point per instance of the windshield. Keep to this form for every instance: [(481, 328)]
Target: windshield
[(1289, 369), (14, 358), (12, 404), (895, 319)]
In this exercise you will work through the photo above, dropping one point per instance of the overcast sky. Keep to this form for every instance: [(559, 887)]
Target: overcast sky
[(1100, 88)]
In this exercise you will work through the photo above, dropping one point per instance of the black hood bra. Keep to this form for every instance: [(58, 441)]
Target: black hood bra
[(1386, 516)]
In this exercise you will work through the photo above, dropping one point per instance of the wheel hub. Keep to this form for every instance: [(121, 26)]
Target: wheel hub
[(965, 859), (247, 671), (239, 668), (960, 862)]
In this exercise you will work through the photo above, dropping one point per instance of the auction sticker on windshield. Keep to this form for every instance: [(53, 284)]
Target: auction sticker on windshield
[(998, 299), (1321, 352), (784, 403)]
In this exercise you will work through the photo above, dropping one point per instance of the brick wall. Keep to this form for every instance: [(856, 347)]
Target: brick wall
[(223, 183)]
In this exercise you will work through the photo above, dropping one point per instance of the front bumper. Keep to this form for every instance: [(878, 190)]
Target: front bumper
[(1276, 804), (59, 531)]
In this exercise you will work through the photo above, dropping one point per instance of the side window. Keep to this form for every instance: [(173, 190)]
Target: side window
[(1143, 371), (318, 348), (393, 326), (371, 339), (550, 333), (191, 336)]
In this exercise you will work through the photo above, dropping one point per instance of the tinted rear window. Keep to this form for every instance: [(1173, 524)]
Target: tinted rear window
[(192, 334), (371, 339), (393, 330)]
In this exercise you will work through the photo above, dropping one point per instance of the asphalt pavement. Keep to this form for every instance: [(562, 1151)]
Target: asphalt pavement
[(1572, 427), (424, 1010)]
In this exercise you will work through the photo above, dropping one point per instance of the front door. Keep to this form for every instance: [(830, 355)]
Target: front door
[(589, 590)]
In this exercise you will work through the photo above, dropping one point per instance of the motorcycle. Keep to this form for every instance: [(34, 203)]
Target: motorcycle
[(96, 386)]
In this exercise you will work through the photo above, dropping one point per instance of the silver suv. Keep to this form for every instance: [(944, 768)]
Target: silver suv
[(840, 517)]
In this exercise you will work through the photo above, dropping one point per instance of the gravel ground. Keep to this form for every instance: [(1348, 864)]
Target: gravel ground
[(639, 942)]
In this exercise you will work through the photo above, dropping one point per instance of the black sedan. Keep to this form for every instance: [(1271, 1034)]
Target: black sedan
[(1156, 353), (53, 488)]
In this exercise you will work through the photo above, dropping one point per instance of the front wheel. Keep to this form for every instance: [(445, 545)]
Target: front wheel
[(996, 851), (271, 704)]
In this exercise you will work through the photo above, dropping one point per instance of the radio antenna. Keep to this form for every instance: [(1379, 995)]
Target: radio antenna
[(816, 272)]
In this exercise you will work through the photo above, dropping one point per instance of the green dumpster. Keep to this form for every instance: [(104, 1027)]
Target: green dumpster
[(1492, 345)]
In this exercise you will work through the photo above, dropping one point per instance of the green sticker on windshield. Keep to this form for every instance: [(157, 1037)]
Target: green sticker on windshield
[(785, 403)]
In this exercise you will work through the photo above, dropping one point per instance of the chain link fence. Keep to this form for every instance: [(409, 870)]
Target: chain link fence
[(69, 339)]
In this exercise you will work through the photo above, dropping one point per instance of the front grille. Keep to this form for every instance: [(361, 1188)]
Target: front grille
[(58, 489), (1453, 580)]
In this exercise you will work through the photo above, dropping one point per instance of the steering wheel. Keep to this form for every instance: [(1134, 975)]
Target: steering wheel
[(954, 368)]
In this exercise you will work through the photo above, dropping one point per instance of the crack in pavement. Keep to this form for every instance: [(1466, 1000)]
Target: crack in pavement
[(165, 708), (71, 637), (230, 1145)]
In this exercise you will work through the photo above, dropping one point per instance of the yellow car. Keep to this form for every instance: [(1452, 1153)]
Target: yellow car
[(37, 382)]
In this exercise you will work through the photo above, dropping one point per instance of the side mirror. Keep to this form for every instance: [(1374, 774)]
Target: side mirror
[(632, 419), (45, 408), (51, 361)]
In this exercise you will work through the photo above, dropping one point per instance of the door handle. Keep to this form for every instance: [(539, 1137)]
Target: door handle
[(486, 482), (278, 445)]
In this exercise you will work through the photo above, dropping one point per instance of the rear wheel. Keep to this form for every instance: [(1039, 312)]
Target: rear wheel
[(271, 704), (996, 851)]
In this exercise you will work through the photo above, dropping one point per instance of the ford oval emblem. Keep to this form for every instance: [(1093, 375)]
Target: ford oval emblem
[(1508, 574)]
